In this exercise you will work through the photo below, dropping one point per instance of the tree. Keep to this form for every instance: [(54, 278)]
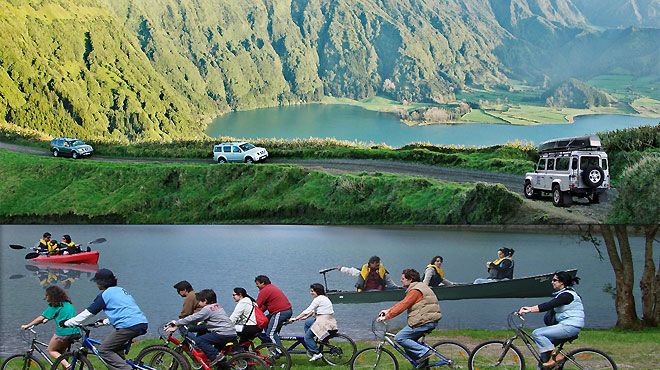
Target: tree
[(619, 252)]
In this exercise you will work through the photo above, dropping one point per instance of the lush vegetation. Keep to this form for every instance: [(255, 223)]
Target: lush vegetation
[(639, 193), (84, 191), (159, 69), (574, 93), (627, 147)]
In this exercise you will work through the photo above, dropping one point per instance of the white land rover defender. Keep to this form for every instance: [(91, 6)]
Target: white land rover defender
[(575, 166)]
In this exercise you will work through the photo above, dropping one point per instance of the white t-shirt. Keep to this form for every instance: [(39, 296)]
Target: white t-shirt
[(320, 305), (241, 312)]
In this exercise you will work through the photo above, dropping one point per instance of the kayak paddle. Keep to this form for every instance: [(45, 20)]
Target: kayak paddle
[(16, 246), (98, 241), (16, 276), (31, 255)]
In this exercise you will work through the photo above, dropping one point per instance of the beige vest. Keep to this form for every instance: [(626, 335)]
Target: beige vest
[(427, 309)]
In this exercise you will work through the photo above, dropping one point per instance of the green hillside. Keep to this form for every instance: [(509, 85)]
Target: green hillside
[(160, 69)]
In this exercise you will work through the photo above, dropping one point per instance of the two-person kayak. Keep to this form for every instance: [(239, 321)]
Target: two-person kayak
[(82, 257)]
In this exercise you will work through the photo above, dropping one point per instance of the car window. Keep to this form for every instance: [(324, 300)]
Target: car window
[(562, 164), (226, 149), (541, 165), (588, 162), (235, 149), (551, 164), (574, 165), (246, 146), (77, 142), (66, 143), (217, 149), (604, 161)]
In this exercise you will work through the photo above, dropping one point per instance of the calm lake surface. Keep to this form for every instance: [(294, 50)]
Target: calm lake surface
[(148, 260), (353, 123)]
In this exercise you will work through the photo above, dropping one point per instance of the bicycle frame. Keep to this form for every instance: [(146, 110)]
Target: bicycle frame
[(36, 346), (389, 338), (89, 344)]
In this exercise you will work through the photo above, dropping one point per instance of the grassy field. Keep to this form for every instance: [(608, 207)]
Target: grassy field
[(629, 349), (148, 193)]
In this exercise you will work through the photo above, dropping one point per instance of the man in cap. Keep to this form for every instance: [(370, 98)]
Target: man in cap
[(123, 314)]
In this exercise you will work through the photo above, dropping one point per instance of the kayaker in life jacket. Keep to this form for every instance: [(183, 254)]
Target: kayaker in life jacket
[(67, 246), (501, 268), (46, 245), (372, 276), (434, 275)]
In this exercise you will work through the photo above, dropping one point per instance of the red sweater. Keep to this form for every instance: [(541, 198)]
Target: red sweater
[(272, 299)]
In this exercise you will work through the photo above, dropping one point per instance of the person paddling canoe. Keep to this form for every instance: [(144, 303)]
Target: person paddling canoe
[(46, 245)]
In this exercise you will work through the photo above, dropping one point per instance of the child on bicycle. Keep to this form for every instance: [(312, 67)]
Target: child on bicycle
[(423, 315), (219, 327), (123, 314), (59, 308)]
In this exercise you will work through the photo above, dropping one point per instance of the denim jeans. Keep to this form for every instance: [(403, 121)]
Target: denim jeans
[(407, 338), (275, 323), (209, 342), (310, 338), (544, 336)]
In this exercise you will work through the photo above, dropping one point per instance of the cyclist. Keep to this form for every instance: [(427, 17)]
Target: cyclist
[(501, 268), (186, 291), (123, 314), (320, 321), (271, 299), (434, 275), (372, 276), (244, 317), (568, 316), (423, 315), (219, 330), (59, 308)]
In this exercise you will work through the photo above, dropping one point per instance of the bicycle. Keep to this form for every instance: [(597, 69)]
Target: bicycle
[(186, 345), (452, 354), (337, 348), (496, 354), (28, 360), (166, 358)]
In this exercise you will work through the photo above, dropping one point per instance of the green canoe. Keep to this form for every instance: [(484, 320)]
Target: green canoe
[(526, 287)]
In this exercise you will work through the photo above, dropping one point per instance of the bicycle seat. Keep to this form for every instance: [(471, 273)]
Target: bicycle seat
[(333, 331), (558, 342)]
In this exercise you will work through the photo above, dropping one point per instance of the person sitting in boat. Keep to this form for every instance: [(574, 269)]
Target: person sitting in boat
[(434, 275), (566, 322), (67, 246), (46, 245), (423, 315), (320, 321), (372, 276), (501, 268)]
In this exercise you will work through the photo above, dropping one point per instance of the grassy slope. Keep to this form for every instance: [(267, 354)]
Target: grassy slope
[(169, 193)]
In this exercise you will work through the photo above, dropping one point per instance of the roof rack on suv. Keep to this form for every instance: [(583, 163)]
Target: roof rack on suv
[(571, 143)]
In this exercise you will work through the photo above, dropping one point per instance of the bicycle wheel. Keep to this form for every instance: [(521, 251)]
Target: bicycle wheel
[(274, 356), (374, 358), (588, 358), (22, 362), (337, 349), (454, 351), (77, 362), (246, 361), (493, 355), (162, 358)]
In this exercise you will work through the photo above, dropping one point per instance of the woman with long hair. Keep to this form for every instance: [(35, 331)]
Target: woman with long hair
[(244, 317), (59, 309)]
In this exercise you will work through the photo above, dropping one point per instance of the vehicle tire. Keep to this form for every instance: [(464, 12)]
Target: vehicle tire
[(82, 362), (588, 358), (489, 355), (276, 357), (593, 176), (374, 358), (162, 358), (530, 192), (557, 196), (56, 153), (249, 160), (594, 198), (74, 155), (337, 349), (222, 160), (22, 362), (246, 361), (454, 351)]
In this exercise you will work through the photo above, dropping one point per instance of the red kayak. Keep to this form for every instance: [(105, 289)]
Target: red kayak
[(91, 258)]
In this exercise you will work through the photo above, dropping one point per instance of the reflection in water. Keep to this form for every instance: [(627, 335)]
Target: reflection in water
[(61, 274)]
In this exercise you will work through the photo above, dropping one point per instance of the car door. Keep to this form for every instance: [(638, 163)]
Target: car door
[(549, 173), (226, 151), (66, 147), (237, 153), (540, 174)]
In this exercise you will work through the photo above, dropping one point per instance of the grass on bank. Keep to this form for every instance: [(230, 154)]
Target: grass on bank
[(629, 349), (38, 189)]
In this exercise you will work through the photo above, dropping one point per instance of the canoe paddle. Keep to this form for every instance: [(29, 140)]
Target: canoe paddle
[(32, 255), (325, 280)]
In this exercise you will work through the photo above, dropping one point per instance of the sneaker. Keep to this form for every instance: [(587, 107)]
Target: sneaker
[(217, 360), (315, 357), (424, 360), (555, 360)]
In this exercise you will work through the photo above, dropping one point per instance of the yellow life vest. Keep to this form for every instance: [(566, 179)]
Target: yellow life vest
[(498, 261), (365, 271), (68, 244), (439, 270), (51, 245)]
